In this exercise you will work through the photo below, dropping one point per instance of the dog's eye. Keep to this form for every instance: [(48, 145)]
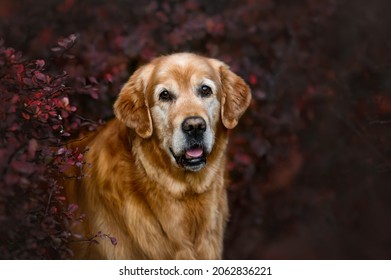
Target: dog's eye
[(205, 91), (165, 96)]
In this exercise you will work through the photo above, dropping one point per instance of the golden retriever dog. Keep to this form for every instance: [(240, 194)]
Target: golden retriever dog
[(157, 178)]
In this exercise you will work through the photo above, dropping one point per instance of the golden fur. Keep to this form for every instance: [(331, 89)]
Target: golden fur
[(136, 190)]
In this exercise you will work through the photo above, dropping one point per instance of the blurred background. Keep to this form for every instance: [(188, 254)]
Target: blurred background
[(310, 162)]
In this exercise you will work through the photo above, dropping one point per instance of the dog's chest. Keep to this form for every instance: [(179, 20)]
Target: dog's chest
[(187, 221), (168, 227), (191, 214)]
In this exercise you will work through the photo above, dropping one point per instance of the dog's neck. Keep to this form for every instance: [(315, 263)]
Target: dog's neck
[(174, 180)]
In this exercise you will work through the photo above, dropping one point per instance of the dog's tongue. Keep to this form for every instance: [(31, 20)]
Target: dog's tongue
[(194, 152)]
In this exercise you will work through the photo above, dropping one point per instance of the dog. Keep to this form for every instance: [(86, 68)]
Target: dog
[(157, 177)]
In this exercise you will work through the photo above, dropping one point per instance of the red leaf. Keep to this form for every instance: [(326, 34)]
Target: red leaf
[(113, 240), (61, 151), (40, 76), (64, 114), (72, 208), (40, 63), (25, 116), (63, 43), (94, 95), (77, 235), (65, 101), (53, 113), (38, 94), (72, 37), (93, 80), (109, 77)]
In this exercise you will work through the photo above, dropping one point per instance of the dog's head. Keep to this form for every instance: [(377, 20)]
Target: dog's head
[(181, 99)]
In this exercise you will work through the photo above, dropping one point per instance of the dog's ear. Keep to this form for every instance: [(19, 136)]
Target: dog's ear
[(131, 106), (235, 99)]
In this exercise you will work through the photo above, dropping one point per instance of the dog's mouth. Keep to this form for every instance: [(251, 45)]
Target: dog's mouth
[(193, 158)]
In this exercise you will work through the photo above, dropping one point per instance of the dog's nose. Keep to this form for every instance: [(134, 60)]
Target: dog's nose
[(194, 126)]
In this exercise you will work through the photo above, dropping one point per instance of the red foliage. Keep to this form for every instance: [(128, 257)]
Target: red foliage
[(309, 163), (35, 115)]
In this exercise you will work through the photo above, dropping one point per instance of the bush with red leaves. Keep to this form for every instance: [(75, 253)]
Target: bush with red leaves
[(309, 163), (36, 116)]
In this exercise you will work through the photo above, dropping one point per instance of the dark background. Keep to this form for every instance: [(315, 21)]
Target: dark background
[(310, 162)]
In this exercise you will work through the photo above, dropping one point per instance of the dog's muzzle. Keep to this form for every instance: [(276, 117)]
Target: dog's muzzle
[(193, 157)]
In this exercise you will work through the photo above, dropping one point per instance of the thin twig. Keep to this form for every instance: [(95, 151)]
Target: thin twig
[(49, 200)]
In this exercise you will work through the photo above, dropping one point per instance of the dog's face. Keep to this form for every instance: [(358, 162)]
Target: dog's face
[(180, 99), (185, 108)]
